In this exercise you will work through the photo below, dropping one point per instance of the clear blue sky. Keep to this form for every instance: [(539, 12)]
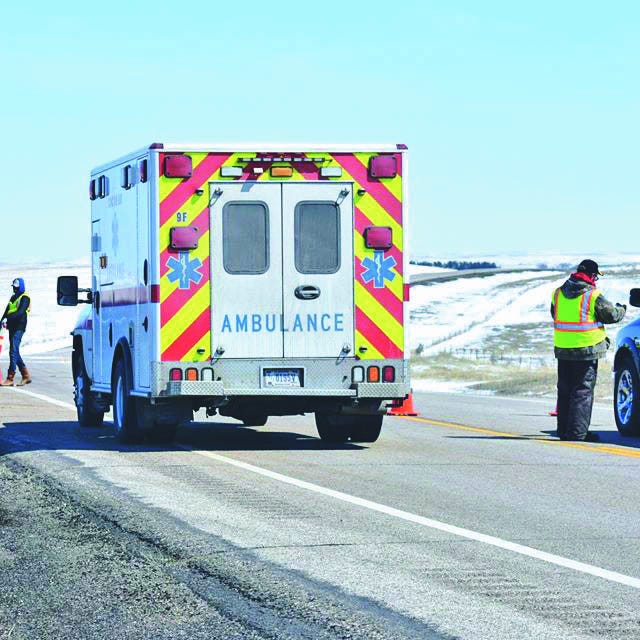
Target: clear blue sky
[(522, 118)]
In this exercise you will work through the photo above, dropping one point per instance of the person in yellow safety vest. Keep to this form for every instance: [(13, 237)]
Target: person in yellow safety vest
[(16, 315), (579, 314)]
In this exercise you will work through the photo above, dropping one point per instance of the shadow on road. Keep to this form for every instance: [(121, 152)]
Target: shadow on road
[(210, 436)]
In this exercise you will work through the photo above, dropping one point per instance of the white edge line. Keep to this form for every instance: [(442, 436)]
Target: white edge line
[(39, 396), (530, 552)]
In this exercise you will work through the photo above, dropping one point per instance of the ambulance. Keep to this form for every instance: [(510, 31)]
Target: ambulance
[(248, 280)]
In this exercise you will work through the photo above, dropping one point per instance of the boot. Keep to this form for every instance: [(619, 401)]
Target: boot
[(26, 378), (8, 382)]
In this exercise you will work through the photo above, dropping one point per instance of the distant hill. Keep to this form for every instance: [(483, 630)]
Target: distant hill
[(457, 265)]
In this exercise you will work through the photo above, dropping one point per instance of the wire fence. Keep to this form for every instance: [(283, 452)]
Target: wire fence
[(492, 357)]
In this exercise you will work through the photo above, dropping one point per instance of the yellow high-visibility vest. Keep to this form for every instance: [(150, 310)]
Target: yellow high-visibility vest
[(574, 321), (13, 306)]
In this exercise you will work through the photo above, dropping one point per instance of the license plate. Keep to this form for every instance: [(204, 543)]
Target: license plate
[(281, 378)]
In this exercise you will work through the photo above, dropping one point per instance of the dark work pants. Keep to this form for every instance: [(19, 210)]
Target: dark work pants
[(576, 381), (15, 338)]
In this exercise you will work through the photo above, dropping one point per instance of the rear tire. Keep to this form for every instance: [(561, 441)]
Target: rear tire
[(258, 420), (124, 408), (626, 398), (338, 429), (88, 414), (366, 428), (332, 428)]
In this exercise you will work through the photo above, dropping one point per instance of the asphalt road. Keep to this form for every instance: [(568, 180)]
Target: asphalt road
[(469, 521)]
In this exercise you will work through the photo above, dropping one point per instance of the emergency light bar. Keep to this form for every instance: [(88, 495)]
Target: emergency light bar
[(383, 167), (178, 166), (378, 238), (183, 238)]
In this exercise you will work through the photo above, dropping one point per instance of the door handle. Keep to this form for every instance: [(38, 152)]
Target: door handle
[(307, 292)]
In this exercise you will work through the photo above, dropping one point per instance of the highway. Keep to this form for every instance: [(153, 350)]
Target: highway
[(469, 521)]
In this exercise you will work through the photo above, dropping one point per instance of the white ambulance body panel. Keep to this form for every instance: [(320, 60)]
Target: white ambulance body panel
[(246, 268), (317, 221)]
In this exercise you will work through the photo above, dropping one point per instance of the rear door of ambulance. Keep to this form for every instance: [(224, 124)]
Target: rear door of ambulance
[(282, 270)]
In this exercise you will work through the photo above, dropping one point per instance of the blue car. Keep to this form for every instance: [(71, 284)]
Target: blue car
[(626, 367)]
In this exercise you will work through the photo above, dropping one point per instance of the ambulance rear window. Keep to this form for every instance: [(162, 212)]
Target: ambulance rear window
[(317, 237), (245, 237)]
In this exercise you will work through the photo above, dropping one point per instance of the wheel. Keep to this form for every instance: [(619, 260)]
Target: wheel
[(366, 428), (337, 428), (88, 414), (332, 427), (257, 420), (626, 398), (124, 408)]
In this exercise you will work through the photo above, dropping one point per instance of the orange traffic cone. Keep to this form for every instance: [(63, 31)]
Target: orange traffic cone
[(404, 408)]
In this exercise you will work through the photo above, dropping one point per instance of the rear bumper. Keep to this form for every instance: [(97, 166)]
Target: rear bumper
[(328, 378)]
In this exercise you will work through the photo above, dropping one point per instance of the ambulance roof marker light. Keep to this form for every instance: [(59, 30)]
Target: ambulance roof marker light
[(401, 146), (231, 172), (142, 170)]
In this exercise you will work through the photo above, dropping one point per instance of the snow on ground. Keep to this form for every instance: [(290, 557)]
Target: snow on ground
[(48, 325), (451, 314)]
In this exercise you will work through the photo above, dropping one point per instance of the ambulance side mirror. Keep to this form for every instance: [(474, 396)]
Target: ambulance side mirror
[(68, 291), (634, 297)]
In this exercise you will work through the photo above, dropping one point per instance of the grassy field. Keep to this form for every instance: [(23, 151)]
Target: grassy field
[(501, 378)]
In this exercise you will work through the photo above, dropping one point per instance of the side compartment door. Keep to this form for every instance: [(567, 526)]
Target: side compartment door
[(318, 286), (96, 335), (142, 333), (246, 270)]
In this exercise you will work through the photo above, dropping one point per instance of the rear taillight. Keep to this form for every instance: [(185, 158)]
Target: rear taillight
[(388, 374), (175, 374), (207, 374), (373, 374), (191, 374)]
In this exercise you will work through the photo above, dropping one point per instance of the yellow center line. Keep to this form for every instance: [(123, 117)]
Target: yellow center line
[(594, 448)]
